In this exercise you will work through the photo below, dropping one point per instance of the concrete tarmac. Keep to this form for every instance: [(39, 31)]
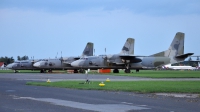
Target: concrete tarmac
[(16, 96)]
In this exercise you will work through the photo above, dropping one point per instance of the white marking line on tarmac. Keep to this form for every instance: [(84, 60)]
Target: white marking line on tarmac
[(85, 106), (134, 105), (127, 103)]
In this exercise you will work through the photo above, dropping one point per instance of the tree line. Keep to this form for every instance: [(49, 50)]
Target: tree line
[(8, 60)]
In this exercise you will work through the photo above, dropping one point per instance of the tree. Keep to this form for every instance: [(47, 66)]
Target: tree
[(18, 58), (7, 60), (22, 58)]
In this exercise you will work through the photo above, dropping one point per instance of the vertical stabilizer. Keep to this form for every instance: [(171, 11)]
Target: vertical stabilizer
[(128, 47), (176, 48), (88, 51)]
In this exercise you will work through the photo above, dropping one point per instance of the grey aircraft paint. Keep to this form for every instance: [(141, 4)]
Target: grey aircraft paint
[(128, 61)]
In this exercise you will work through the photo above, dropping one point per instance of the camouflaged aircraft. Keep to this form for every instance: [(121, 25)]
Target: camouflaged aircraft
[(174, 54), (63, 63)]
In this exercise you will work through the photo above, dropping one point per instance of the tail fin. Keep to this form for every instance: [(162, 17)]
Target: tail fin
[(176, 48), (88, 51), (128, 47)]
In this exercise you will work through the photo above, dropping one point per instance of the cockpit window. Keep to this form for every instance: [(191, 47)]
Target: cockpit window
[(84, 58), (24, 62)]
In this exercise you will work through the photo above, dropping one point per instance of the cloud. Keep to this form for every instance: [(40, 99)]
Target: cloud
[(53, 27), (151, 7)]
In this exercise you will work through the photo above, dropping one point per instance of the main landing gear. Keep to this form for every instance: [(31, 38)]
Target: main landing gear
[(127, 70), (115, 71), (42, 71), (75, 71), (81, 71)]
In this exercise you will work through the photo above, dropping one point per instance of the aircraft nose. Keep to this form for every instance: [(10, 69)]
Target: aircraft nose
[(37, 64), (77, 63), (9, 66)]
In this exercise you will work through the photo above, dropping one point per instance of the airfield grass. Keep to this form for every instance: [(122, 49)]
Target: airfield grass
[(130, 86), (161, 74), (30, 71), (20, 71), (142, 73)]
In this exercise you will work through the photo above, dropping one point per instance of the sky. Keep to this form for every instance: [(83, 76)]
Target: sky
[(45, 28)]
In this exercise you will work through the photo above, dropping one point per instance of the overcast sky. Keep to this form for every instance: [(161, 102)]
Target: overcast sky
[(41, 28)]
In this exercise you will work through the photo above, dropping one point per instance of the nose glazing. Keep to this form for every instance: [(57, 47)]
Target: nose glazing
[(77, 63), (9, 66), (37, 64), (74, 64)]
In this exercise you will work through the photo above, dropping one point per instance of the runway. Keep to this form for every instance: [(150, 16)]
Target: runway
[(18, 97)]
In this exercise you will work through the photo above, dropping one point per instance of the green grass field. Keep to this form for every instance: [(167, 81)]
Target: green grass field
[(130, 86), (142, 73), (30, 71), (162, 74)]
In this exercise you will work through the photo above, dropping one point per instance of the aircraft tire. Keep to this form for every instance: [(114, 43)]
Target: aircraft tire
[(115, 71), (127, 71), (75, 71), (81, 71)]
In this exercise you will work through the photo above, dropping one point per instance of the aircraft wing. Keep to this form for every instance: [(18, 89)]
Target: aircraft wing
[(129, 57), (76, 58), (184, 55), (132, 58)]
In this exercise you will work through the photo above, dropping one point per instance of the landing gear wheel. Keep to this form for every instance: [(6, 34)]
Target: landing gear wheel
[(115, 71), (50, 71), (42, 71), (127, 71), (137, 70), (81, 71), (75, 71)]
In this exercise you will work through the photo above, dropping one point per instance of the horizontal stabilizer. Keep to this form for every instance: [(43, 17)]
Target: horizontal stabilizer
[(184, 55)]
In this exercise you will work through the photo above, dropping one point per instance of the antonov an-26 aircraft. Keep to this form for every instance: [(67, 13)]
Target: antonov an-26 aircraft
[(23, 65), (125, 60), (64, 63)]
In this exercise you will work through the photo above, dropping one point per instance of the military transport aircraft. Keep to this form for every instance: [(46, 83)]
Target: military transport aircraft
[(64, 63), (23, 65), (174, 54)]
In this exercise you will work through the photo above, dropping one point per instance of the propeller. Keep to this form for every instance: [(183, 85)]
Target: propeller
[(57, 55), (33, 61), (5, 64), (190, 59), (61, 58), (197, 58)]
